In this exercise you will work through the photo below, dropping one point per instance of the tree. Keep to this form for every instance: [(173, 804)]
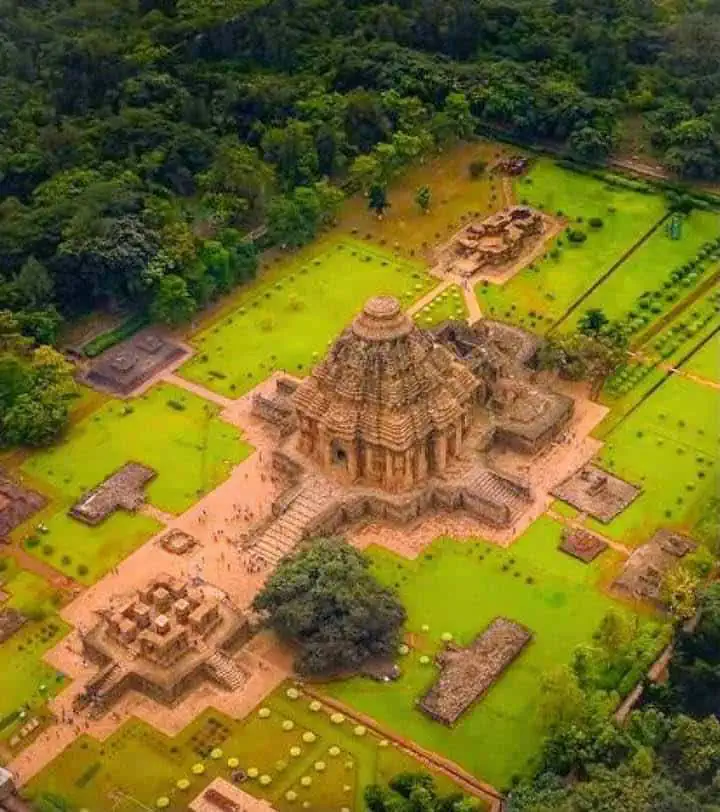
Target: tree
[(377, 199), (324, 600), (679, 590), (423, 196), (591, 143), (415, 792), (172, 303), (583, 357), (592, 321), (33, 284)]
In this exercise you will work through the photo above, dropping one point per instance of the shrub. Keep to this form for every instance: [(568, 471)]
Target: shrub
[(476, 168), (595, 222), (577, 236), (82, 569), (176, 404)]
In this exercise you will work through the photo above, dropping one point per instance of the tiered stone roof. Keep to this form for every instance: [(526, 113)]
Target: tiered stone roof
[(385, 382)]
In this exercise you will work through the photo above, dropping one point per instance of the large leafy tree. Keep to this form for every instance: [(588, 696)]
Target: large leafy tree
[(325, 600)]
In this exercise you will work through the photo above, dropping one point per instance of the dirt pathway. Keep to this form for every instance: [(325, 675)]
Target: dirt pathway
[(29, 562), (195, 388), (675, 370)]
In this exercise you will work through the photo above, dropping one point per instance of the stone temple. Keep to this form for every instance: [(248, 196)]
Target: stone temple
[(387, 405), (396, 421)]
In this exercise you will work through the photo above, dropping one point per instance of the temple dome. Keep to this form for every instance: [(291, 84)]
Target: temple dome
[(385, 383)]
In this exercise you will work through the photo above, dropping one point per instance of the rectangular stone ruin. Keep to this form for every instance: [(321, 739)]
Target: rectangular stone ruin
[(222, 796), (466, 674), (17, 504), (582, 545), (126, 366), (11, 621), (596, 492), (643, 573), (123, 489)]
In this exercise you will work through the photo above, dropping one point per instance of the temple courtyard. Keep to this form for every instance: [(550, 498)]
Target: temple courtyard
[(363, 388)]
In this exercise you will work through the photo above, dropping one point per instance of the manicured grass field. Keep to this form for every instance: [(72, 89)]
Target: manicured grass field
[(175, 432), (450, 304), (89, 773), (459, 588), (287, 317), (539, 295), (651, 265), (27, 681), (706, 362), (454, 195), (668, 445)]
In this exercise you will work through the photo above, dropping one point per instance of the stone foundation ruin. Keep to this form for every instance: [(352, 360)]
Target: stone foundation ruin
[(466, 674), (643, 573), (178, 542), (17, 504), (597, 493), (11, 621), (394, 422), (582, 545), (124, 489), (123, 368), (163, 641), (495, 242)]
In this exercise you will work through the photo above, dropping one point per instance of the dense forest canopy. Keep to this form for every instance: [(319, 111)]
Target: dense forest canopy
[(140, 139)]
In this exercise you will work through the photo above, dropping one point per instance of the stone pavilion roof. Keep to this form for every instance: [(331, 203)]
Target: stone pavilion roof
[(385, 382)]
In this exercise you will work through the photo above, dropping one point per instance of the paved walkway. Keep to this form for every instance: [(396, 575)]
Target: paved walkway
[(196, 389)]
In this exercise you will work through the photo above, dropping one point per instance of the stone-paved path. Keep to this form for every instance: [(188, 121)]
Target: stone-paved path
[(196, 389)]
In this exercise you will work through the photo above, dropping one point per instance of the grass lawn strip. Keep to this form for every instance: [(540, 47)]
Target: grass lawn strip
[(287, 317), (450, 304), (27, 681), (668, 445), (459, 588), (650, 266)]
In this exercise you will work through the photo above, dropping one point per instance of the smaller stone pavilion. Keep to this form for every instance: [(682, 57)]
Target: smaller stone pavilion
[(387, 405), (162, 641)]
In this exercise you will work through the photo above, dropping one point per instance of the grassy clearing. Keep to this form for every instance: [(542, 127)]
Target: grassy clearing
[(669, 446), (175, 432), (706, 362), (90, 773), (460, 588), (27, 681), (450, 304), (454, 194), (539, 295), (287, 317), (651, 265)]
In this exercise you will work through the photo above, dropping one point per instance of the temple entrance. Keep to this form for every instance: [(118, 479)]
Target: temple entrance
[(338, 455)]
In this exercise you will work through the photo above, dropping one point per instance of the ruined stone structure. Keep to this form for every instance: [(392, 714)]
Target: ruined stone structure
[(582, 545), (596, 492), (162, 642), (495, 241), (11, 621), (395, 422), (17, 504), (178, 542), (467, 673), (124, 489), (222, 796), (642, 575), (123, 368), (386, 405), (512, 165)]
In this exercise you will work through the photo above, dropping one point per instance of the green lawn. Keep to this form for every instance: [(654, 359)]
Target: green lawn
[(459, 588), (669, 446), (27, 681), (539, 295), (450, 304), (90, 773), (289, 315), (706, 362), (650, 266), (175, 432)]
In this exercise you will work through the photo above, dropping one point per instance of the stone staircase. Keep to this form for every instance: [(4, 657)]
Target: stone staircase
[(225, 671), (495, 488), (281, 537)]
